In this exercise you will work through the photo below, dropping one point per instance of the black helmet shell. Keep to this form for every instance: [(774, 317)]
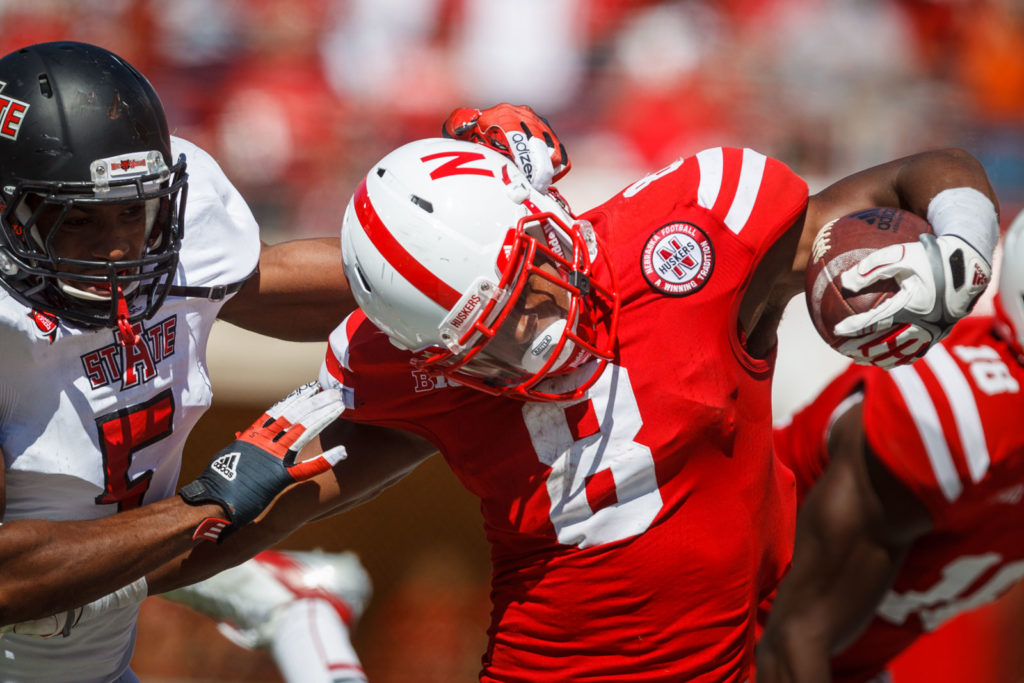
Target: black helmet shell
[(83, 103)]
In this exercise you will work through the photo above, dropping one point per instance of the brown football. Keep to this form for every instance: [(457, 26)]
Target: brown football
[(839, 245)]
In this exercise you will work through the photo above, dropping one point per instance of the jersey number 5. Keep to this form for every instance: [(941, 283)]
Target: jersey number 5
[(123, 432)]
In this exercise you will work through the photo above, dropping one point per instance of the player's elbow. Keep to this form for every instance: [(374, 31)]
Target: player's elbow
[(958, 167)]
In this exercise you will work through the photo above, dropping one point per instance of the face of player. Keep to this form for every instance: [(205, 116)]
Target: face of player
[(98, 233), (533, 328)]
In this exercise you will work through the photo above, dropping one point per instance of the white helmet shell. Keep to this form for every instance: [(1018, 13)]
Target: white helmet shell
[(1011, 280), (433, 248), (442, 206)]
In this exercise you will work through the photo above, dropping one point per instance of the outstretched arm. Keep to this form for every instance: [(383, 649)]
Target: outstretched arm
[(50, 567), (853, 531), (376, 459), (298, 293)]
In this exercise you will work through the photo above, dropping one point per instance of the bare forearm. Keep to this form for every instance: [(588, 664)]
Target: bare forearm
[(299, 292), (377, 459), (927, 174), (849, 546), (316, 499), (822, 607), (797, 641), (791, 655), (909, 183), (292, 508), (48, 567)]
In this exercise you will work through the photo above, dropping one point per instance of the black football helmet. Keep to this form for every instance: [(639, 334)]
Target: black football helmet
[(81, 128)]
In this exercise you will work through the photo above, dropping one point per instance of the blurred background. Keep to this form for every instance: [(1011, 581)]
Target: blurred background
[(298, 98)]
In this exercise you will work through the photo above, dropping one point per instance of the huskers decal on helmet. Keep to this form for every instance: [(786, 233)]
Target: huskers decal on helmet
[(12, 113), (678, 259)]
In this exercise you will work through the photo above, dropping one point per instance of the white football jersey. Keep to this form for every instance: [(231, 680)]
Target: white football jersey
[(83, 437)]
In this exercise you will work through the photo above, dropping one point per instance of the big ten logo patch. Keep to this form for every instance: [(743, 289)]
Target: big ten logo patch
[(132, 364)]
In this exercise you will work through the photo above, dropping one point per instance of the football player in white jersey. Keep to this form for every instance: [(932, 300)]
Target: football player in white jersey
[(111, 283)]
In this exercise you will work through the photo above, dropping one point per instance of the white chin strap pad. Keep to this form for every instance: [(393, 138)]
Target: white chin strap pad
[(542, 345), (78, 293)]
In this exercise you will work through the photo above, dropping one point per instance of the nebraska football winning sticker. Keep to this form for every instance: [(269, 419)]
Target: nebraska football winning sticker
[(678, 259)]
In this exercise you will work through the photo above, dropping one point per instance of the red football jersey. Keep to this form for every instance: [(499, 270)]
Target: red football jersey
[(948, 427), (633, 532)]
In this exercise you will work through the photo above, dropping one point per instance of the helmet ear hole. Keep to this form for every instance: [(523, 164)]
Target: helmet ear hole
[(363, 282), (422, 203)]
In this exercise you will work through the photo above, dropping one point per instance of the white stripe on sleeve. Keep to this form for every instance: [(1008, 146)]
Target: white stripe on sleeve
[(751, 175), (926, 419), (965, 410), (712, 169), (711, 163)]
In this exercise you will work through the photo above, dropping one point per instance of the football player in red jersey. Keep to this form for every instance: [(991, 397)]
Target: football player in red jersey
[(912, 483), (603, 384)]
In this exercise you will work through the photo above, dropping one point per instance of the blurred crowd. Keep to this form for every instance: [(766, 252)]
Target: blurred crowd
[(296, 98)]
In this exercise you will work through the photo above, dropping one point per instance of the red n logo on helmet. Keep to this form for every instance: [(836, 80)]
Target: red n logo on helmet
[(456, 164)]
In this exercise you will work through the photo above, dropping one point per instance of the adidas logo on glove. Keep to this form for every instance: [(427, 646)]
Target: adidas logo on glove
[(226, 465)]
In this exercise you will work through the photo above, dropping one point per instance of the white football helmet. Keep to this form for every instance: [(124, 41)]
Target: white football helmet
[(1009, 303), (453, 254)]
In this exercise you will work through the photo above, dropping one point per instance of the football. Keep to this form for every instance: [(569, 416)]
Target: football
[(839, 245)]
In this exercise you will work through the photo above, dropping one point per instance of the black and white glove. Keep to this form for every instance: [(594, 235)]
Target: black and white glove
[(246, 476), (518, 132), (940, 277), (940, 280)]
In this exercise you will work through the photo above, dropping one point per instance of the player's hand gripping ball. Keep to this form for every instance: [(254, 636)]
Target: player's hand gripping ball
[(839, 246)]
